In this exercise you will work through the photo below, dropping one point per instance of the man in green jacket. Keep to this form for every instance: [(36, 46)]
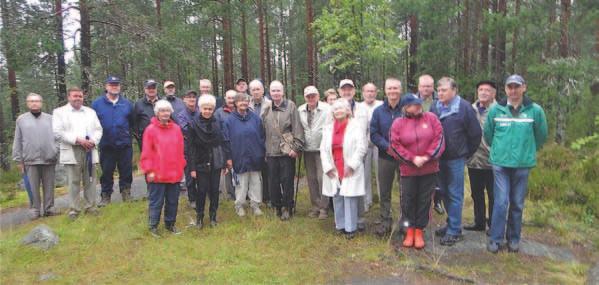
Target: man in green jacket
[(516, 129)]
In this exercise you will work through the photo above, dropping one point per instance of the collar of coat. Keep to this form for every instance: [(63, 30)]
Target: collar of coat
[(281, 107)]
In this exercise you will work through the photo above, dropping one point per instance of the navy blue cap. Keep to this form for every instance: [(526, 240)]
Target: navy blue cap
[(111, 79), (515, 79), (486, 82), (150, 82), (410, 100)]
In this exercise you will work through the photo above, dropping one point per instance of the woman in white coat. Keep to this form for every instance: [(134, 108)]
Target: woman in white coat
[(342, 152)]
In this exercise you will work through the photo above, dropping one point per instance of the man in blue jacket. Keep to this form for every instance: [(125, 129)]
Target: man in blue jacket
[(382, 119), (462, 133), (115, 113)]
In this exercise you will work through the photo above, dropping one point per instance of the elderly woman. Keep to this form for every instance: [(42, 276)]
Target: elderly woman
[(244, 133), (342, 152), (416, 140), (207, 156), (330, 96), (163, 161)]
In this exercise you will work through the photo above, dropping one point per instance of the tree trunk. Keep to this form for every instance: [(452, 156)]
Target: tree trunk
[(466, 37), (227, 49), (262, 32), (564, 45), (310, 43), (86, 61), (484, 38), (267, 45), (214, 59), (550, 39), (8, 38), (515, 38), (245, 68), (61, 86), (500, 43), (413, 51), (159, 25)]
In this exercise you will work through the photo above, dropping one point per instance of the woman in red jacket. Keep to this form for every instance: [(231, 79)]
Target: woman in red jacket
[(162, 160), (417, 141)]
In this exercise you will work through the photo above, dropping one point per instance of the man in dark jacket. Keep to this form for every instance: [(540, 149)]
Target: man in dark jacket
[(185, 119), (170, 92), (115, 113), (382, 119), (143, 110), (462, 136)]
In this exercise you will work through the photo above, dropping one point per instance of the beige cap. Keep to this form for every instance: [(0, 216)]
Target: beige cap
[(310, 90), (168, 83), (346, 82)]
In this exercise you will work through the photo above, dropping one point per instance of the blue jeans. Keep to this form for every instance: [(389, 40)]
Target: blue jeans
[(163, 195), (511, 186), (451, 182), (112, 158)]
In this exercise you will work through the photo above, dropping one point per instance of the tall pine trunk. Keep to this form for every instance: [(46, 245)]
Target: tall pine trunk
[(515, 39), (564, 47), (61, 87), (85, 46), (500, 42), (9, 53), (245, 68), (261, 32), (310, 56), (214, 60), (227, 48), (484, 38), (161, 60), (413, 51)]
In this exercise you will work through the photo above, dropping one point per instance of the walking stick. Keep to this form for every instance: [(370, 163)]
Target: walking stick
[(296, 189)]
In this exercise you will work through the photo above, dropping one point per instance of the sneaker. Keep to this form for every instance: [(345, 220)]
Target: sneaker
[(154, 232), (440, 232), (240, 211), (173, 230), (257, 211), (450, 240), (492, 247), (323, 215), (513, 247), (313, 214), (285, 214), (73, 215), (350, 235), (105, 200)]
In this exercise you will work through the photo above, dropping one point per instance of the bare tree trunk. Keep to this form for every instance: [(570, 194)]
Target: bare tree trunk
[(466, 36), (245, 68), (9, 52), (484, 38), (159, 25), (267, 45), (564, 46), (262, 32), (413, 51), (86, 61), (227, 49), (61, 86), (550, 39), (310, 43), (4, 155), (515, 38), (214, 57), (500, 43)]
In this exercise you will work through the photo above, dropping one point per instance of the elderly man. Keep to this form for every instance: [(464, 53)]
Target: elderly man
[(382, 119), (205, 87), (241, 86), (426, 91), (35, 152), (185, 119), (143, 110), (115, 113), (462, 133), (284, 141), (258, 104), (221, 114), (79, 131), (516, 129), (170, 91), (313, 116), (370, 103), (479, 168)]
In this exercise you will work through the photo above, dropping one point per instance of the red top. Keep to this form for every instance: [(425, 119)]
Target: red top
[(338, 135), (417, 136), (162, 152)]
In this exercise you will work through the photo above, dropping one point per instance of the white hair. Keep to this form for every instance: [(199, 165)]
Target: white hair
[(34, 95), (162, 105), (230, 92), (276, 83), (207, 99), (256, 83), (341, 103)]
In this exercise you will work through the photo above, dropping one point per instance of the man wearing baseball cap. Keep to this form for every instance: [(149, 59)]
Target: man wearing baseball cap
[(143, 109), (516, 128), (241, 86), (115, 113), (171, 96), (313, 116)]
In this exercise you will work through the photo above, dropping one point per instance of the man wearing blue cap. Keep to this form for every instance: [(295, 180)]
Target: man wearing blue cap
[(143, 110), (516, 128), (115, 113)]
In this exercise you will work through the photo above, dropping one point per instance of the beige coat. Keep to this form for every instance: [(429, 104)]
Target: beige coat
[(480, 159), (313, 134), (355, 145), (69, 124), (278, 121)]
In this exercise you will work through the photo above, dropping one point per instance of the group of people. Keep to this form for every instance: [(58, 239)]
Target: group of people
[(246, 144)]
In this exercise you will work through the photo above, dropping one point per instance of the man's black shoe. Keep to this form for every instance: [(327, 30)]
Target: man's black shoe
[(449, 240), (440, 232), (475, 227)]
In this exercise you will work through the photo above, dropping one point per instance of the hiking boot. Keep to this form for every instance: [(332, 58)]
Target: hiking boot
[(408, 240), (126, 195), (323, 215), (475, 227), (257, 211), (492, 247), (154, 232), (105, 199), (440, 232), (240, 211), (173, 230), (73, 215), (418, 239), (513, 247), (285, 214), (450, 240), (313, 213)]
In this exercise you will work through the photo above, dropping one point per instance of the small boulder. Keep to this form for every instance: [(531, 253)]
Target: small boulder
[(41, 237)]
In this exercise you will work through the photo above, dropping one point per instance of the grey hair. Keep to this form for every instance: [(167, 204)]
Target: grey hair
[(447, 81), (162, 105), (255, 82), (205, 81), (34, 95), (341, 103), (242, 97), (207, 99)]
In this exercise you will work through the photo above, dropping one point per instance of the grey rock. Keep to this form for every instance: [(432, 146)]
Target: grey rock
[(41, 237), (593, 275)]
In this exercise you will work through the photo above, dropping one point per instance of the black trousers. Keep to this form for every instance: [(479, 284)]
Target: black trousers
[(280, 180), (416, 195), (481, 179), (265, 191), (207, 183), (190, 183)]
